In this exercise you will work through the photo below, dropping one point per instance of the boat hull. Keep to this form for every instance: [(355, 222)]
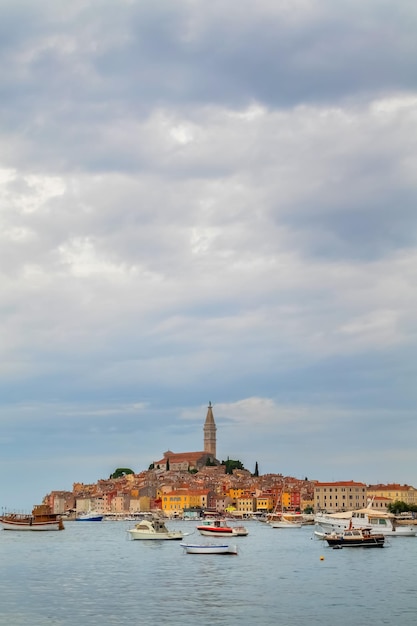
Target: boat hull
[(207, 531), (329, 524), (285, 525), (34, 526), (171, 536), (209, 549), (343, 542)]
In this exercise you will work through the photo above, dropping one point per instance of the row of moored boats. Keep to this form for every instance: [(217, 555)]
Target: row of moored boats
[(365, 527)]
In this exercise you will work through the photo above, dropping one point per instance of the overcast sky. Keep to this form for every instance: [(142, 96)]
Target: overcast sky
[(207, 202)]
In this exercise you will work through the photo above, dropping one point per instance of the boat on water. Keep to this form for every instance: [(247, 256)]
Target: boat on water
[(89, 516), (378, 521), (153, 529), (209, 548), (218, 528), (285, 520), (41, 519), (355, 538)]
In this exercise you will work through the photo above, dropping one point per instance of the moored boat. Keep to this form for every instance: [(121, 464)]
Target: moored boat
[(355, 538), (41, 519), (153, 529), (89, 516), (209, 548), (379, 521), (286, 522), (218, 528)]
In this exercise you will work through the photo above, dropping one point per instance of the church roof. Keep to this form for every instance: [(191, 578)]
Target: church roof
[(209, 418), (179, 457)]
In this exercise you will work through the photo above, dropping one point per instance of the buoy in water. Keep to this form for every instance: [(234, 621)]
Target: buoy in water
[(322, 558)]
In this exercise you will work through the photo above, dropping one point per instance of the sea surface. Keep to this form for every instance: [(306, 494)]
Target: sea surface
[(92, 573)]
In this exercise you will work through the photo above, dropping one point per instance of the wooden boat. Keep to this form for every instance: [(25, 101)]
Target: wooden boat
[(217, 528), (286, 522), (153, 529), (355, 538), (41, 519), (209, 548)]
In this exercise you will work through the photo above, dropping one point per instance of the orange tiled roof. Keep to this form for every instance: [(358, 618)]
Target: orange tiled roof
[(341, 483)]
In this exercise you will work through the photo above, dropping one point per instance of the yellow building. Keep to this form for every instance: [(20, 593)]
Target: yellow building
[(246, 505), (265, 503), (177, 501), (394, 492), (236, 493), (339, 496)]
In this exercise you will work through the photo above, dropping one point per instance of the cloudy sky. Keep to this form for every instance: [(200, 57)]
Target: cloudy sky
[(207, 202)]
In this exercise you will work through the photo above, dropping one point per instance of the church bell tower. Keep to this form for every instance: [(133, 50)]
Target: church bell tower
[(210, 433)]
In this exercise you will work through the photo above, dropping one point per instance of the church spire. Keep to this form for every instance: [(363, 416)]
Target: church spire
[(210, 433)]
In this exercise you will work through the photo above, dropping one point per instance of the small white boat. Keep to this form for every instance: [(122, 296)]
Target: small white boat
[(209, 548), (153, 529)]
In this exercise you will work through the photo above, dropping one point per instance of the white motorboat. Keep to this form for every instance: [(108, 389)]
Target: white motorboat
[(378, 521), (153, 529), (209, 548)]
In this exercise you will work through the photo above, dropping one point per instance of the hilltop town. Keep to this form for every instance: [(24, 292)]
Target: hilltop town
[(188, 482)]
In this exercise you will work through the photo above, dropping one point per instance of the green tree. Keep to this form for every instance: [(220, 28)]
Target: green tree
[(232, 465), (399, 506), (256, 472), (121, 471)]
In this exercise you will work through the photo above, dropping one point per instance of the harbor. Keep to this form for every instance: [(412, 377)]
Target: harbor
[(93, 574)]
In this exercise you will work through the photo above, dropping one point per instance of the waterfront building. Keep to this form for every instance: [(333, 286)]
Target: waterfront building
[(265, 503), (379, 503), (245, 505), (174, 502), (339, 496), (394, 492), (60, 501)]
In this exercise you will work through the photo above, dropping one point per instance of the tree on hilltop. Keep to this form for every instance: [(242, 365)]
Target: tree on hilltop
[(121, 471), (232, 465)]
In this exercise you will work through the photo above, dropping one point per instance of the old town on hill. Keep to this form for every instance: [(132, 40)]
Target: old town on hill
[(184, 484)]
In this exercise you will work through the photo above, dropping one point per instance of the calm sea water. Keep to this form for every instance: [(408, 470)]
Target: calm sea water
[(92, 573)]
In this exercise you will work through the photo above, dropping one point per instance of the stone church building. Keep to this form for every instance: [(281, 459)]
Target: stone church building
[(186, 461)]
